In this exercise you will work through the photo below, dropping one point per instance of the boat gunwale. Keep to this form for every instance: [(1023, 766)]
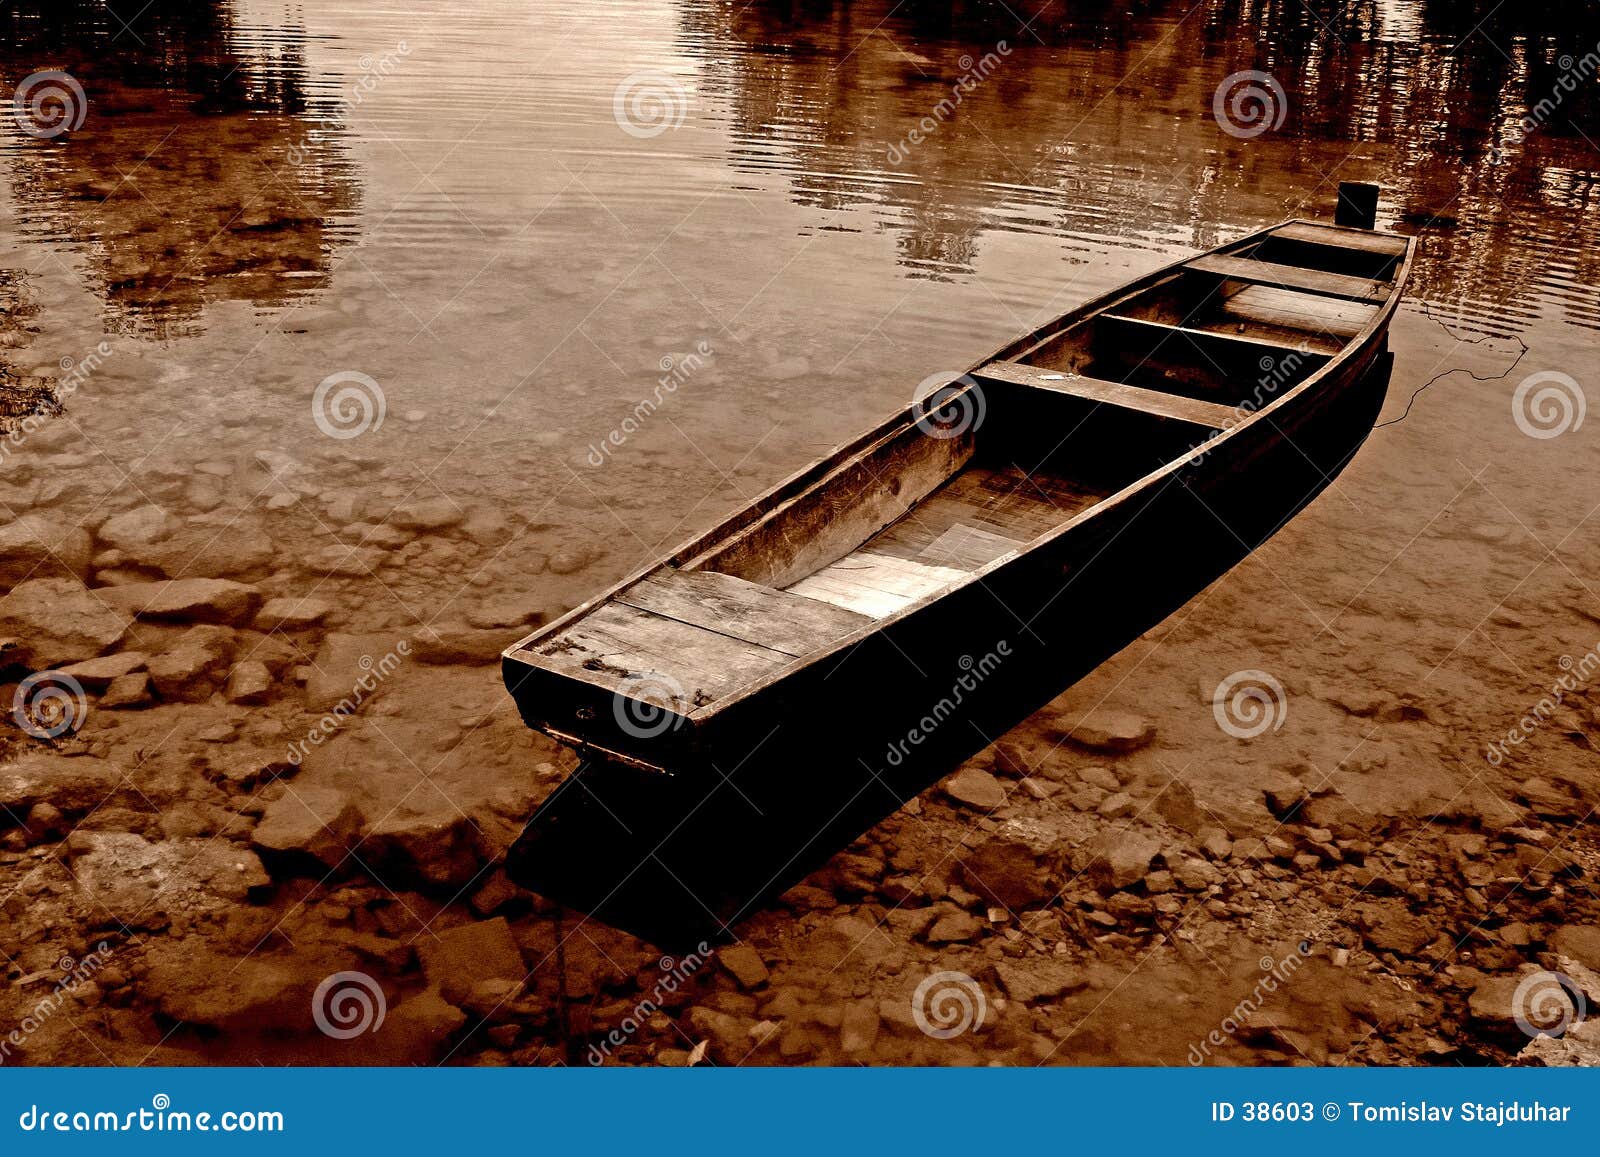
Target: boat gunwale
[(797, 484)]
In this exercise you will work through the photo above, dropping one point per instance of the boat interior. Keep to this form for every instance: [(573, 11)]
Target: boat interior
[(1074, 414)]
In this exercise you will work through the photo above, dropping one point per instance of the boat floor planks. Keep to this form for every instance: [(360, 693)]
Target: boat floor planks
[(856, 631)]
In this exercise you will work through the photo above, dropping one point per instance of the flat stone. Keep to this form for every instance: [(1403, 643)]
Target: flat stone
[(461, 957), (75, 784), (54, 621), (1121, 859), (1495, 1005), (955, 927), (858, 1028), (351, 669), (727, 1036), (1581, 942), (33, 546), (127, 879), (249, 683), (126, 691), (504, 614), (453, 644), (429, 514), (98, 674), (195, 666), (1031, 980), (195, 600), (319, 823), (189, 982), (744, 964), (975, 788), (134, 530), (1113, 732), (292, 614)]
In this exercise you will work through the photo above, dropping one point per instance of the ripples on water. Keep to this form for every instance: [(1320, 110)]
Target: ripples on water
[(444, 199)]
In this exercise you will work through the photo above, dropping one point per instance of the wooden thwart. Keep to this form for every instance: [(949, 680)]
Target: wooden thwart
[(742, 610), (1386, 244), (1155, 402), (1291, 277)]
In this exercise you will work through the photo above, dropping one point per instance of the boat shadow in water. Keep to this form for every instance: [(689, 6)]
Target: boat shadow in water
[(678, 856)]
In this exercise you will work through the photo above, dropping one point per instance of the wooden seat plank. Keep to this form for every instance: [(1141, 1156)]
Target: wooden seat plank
[(627, 651), (1338, 285), (876, 584), (742, 610), (1299, 311), (1383, 243), (1163, 405)]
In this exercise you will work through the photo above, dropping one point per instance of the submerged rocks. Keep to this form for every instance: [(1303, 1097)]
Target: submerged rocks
[(125, 879), (75, 784), (98, 674), (1018, 866), (744, 964), (1121, 859), (459, 959), (1111, 732), (292, 614), (195, 666), (347, 669), (34, 546), (310, 823), (50, 622), (195, 600)]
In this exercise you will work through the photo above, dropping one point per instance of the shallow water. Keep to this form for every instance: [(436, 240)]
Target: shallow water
[(498, 229), (262, 195)]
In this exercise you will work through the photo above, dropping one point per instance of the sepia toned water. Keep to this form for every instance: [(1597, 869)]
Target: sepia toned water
[(585, 281), (520, 220)]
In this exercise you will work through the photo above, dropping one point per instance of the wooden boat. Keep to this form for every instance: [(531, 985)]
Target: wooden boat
[(755, 700)]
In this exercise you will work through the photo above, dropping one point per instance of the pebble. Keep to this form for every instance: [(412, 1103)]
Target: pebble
[(975, 788)]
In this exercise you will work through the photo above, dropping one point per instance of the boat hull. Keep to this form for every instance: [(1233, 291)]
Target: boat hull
[(795, 772)]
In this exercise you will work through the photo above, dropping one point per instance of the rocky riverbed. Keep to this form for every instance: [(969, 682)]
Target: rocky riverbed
[(261, 818)]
